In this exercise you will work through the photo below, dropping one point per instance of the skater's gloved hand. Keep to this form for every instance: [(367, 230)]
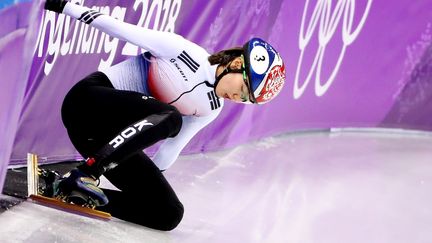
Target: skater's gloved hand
[(55, 5)]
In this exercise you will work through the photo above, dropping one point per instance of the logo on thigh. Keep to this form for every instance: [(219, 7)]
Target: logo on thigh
[(128, 133)]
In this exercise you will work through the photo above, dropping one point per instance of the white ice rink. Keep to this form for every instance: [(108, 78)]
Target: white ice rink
[(347, 187)]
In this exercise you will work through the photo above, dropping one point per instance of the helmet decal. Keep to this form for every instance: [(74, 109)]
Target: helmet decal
[(259, 59), (273, 84)]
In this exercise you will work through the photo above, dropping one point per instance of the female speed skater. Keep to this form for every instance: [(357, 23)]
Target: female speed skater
[(168, 93)]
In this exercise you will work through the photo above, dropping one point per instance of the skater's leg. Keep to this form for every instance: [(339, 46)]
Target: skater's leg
[(146, 197), (134, 138), (94, 113)]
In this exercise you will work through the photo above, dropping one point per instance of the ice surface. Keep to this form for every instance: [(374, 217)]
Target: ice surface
[(313, 187)]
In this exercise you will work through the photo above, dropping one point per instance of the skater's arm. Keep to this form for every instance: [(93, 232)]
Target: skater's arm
[(171, 148), (157, 42)]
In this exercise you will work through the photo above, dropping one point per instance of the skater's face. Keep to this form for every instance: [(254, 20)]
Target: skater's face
[(233, 86)]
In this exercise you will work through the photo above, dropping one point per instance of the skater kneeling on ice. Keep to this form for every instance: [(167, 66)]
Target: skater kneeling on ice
[(168, 93)]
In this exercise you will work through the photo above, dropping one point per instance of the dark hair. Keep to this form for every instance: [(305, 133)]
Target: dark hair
[(225, 56)]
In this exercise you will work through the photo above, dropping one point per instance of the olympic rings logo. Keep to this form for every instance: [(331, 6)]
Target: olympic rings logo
[(328, 21)]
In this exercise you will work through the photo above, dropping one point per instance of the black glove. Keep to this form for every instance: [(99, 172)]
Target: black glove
[(55, 5)]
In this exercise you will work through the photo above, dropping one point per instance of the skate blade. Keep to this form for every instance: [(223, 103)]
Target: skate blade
[(71, 208), (79, 198)]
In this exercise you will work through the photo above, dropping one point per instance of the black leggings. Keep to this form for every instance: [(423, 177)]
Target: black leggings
[(94, 113)]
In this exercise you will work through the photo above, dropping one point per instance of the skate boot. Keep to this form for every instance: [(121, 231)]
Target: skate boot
[(79, 188)]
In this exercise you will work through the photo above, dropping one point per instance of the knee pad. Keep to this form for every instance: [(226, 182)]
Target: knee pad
[(173, 217)]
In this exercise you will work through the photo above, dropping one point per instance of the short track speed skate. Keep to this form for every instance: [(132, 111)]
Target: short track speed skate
[(44, 189)]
